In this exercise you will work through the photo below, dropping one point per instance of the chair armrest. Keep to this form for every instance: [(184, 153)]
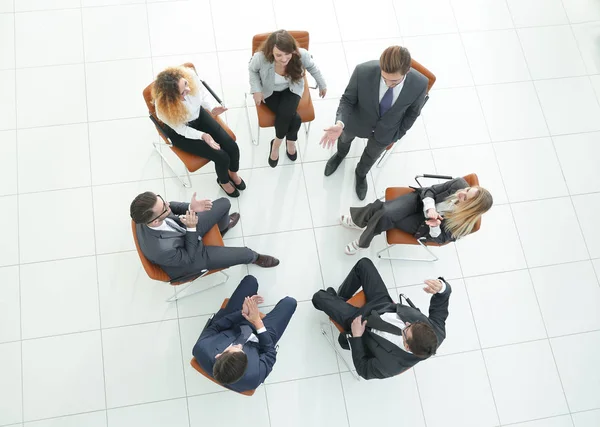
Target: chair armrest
[(212, 92), (426, 175)]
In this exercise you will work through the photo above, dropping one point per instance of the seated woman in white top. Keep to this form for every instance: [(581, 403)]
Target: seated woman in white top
[(182, 103), (441, 213), (277, 79)]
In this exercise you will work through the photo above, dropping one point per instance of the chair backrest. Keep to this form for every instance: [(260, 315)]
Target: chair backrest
[(421, 69), (302, 38), (148, 94), (152, 270)]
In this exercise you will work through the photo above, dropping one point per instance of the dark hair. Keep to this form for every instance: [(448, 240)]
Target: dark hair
[(285, 43), (141, 208), (423, 341), (230, 367), (395, 59)]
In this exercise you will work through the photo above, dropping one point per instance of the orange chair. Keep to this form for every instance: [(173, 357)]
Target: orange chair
[(191, 162), (266, 118), (431, 77), (398, 237), (212, 238), (358, 300), (197, 366)]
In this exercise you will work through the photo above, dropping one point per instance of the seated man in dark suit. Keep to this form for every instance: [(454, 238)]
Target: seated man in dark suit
[(170, 235), (392, 337), (236, 346)]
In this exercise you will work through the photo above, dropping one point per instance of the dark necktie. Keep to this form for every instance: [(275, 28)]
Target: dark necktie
[(245, 333), (386, 102)]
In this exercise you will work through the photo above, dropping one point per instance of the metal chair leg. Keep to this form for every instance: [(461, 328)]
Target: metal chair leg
[(383, 156), (188, 184), (432, 259), (324, 327), (254, 141), (177, 296), (307, 129)]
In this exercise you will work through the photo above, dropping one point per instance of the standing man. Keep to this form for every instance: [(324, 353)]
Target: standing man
[(387, 338), (381, 102)]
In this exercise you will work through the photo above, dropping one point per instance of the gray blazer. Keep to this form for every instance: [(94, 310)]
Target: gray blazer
[(262, 74), (174, 251), (359, 105)]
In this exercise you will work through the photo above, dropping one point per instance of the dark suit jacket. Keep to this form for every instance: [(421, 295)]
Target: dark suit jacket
[(376, 357), (175, 252), (359, 105), (439, 193), (217, 336)]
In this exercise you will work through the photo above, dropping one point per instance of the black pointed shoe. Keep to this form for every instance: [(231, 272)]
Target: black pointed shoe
[(361, 187), (332, 164), (240, 186), (272, 162), (234, 193), (292, 157)]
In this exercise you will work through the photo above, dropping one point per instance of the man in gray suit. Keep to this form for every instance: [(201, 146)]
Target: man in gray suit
[(170, 235), (381, 102)]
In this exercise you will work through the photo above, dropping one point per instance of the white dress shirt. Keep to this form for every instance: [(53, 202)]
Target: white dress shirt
[(192, 103)]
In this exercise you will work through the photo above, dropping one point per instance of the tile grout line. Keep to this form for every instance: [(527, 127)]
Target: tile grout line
[(519, 234), (93, 216)]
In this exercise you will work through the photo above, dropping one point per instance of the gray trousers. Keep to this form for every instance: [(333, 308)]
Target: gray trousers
[(405, 213), (372, 152)]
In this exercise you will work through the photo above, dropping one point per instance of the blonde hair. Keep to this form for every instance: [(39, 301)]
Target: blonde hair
[(166, 94), (465, 215)]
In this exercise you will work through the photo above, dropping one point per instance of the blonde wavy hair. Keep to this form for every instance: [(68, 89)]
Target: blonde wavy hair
[(463, 218), (166, 95)]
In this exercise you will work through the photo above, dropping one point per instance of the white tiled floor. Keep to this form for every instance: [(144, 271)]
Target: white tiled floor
[(86, 338)]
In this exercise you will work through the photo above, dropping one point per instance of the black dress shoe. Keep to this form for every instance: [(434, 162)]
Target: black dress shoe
[(233, 220), (343, 341), (292, 157), (266, 261), (332, 164), (234, 193), (240, 186), (361, 187), (272, 162)]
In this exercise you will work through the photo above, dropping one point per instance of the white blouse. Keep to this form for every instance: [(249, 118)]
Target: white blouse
[(192, 103)]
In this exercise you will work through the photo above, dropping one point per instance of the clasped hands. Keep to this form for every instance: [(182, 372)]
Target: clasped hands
[(251, 312), (434, 219)]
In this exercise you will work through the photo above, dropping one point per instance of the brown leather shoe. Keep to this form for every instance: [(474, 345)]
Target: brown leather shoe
[(266, 261), (233, 220)]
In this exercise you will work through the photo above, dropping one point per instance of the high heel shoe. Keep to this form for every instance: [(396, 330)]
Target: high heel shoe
[(292, 157), (272, 162), (240, 186), (234, 193)]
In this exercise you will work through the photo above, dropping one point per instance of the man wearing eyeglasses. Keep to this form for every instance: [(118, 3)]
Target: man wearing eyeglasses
[(381, 102), (170, 235), (386, 338)]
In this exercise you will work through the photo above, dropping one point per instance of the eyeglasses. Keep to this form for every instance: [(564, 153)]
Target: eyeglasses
[(404, 332), (165, 209)]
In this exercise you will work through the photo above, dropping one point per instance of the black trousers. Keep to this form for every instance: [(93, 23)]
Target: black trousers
[(363, 275), (372, 152), (226, 159), (276, 321), (287, 121), (404, 212)]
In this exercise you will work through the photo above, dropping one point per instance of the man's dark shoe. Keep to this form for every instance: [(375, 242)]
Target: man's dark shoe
[(233, 220), (332, 164), (343, 341), (266, 261), (361, 187)]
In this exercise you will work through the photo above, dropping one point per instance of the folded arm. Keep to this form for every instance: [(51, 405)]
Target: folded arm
[(412, 113), (366, 366), (438, 310), (267, 355), (222, 324), (349, 99)]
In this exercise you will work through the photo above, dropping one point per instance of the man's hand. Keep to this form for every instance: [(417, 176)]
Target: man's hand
[(258, 98), (218, 110), (358, 327), (257, 298), (211, 142), (253, 314), (190, 220), (200, 205), (332, 133), (433, 286)]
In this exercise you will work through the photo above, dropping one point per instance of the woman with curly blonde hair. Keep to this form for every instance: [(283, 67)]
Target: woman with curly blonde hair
[(183, 104), (441, 213), (277, 78)]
